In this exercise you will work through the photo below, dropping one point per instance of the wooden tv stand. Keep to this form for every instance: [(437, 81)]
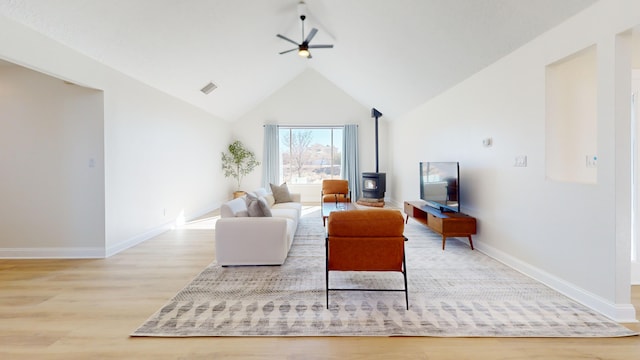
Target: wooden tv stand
[(447, 224)]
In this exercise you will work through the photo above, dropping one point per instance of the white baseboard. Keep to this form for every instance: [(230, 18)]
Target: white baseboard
[(624, 313), (140, 238), (96, 252), (53, 253)]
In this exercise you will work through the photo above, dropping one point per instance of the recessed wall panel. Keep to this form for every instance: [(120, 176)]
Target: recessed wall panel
[(571, 118)]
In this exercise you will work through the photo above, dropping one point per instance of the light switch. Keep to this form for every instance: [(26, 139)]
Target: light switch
[(520, 161)]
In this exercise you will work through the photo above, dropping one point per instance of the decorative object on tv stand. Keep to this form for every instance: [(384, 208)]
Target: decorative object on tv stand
[(373, 183), (237, 163)]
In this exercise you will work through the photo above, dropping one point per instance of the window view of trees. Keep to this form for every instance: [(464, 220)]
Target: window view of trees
[(310, 155)]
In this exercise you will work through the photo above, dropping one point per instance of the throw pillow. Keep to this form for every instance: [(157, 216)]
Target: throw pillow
[(264, 207), (281, 193), (253, 206), (257, 206)]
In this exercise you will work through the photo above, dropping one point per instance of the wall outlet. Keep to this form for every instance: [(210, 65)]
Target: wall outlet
[(520, 161), (592, 161)]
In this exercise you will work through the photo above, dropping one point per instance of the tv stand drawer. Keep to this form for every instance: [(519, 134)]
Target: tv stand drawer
[(435, 223)]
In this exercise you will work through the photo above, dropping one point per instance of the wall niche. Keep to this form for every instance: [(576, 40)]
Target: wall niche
[(571, 118)]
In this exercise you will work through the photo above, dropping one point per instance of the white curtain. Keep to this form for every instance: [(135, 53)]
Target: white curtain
[(350, 169), (271, 156)]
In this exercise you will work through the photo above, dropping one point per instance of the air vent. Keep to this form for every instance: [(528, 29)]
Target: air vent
[(208, 88)]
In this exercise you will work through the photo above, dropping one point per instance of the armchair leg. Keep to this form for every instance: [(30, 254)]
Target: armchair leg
[(327, 289), (326, 268), (406, 288)]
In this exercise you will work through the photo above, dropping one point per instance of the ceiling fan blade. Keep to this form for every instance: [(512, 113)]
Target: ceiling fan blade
[(284, 52), (312, 33), (287, 39), (320, 46)]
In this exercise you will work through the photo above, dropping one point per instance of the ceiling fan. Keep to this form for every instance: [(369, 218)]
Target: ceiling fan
[(303, 48)]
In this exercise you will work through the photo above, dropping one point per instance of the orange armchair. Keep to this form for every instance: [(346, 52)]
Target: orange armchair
[(335, 190), (366, 240)]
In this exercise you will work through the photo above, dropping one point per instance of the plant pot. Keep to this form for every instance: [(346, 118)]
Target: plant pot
[(237, 194)]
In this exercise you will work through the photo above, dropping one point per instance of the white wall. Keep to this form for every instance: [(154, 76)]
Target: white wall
[(161, 155), (162, 163), (51, 134), (310, 99), (571, 236)]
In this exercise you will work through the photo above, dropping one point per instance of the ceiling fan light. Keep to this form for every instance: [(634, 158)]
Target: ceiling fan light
[(303, 52)]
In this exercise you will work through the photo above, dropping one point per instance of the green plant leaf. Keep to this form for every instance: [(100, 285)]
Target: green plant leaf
[(238, 162)]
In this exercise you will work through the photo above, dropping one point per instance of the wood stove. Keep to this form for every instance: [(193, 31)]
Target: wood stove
[(374, 184)]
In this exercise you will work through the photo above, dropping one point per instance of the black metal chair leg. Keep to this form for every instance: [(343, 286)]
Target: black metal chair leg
[(406, 288), (326, 268), (327, 289)]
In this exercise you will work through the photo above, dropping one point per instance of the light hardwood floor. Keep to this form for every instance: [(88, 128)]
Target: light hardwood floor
[(86, 309)]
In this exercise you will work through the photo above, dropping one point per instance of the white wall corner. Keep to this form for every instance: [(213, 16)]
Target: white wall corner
[(623, 313), (394, 203)]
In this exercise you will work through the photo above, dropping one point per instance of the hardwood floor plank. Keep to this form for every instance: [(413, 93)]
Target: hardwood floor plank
[(86, 309)]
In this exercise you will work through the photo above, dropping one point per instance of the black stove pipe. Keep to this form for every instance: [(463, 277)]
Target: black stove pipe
[(376, 114)]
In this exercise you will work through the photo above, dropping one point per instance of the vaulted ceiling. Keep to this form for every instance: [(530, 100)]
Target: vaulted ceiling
[(392, 54)]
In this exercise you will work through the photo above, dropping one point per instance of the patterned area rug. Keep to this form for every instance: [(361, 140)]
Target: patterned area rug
[(457, 292)]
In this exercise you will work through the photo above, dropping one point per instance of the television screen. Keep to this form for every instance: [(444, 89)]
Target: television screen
[(439, 185)]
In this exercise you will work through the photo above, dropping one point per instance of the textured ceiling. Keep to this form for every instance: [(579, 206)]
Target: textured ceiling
[(393, 54)]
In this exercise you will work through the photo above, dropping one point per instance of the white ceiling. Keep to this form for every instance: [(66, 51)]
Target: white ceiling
[(391, 54)]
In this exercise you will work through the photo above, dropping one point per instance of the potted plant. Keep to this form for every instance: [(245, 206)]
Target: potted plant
[(238, 162)]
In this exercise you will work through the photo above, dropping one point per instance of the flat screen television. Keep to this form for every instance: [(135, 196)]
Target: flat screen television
[(440, 185)]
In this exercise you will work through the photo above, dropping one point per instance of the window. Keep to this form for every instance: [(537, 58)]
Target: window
[(310, 155)]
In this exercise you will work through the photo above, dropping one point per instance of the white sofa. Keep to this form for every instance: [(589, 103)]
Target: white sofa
[(244, 240)]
